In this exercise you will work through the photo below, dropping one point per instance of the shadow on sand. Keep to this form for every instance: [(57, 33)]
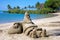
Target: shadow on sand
[(55, 32)]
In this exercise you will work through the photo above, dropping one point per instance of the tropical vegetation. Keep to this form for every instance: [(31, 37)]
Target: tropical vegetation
[(49, 6)]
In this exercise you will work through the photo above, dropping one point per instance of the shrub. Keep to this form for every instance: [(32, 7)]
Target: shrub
[(46, 10)]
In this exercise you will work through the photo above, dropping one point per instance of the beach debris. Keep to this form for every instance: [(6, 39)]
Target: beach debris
[(28, 28)]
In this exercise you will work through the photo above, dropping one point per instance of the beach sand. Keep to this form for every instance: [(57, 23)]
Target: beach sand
[(52, 25)]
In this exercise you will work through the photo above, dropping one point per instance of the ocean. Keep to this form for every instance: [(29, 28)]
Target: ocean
[(6, 17)]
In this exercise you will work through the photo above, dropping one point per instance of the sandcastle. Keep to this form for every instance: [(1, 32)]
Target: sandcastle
[(28, 28)]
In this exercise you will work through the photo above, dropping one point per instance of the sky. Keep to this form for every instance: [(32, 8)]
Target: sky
[(21, 3)]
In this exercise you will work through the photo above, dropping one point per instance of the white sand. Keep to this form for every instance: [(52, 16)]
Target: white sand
[(44, 23), (47, 20)]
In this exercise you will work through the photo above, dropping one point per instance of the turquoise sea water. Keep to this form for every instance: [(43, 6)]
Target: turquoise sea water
[(6, 17)]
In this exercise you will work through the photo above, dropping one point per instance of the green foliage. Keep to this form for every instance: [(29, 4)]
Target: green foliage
[(46, 10), (50, 6), (32, 7), (29, 6), (25, 7), (54, 4), (32, 11), (42, 11), (16, 11), (9, 7), (18, 7), (38, 5)]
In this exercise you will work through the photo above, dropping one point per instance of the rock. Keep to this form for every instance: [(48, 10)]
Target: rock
[(16, 28)]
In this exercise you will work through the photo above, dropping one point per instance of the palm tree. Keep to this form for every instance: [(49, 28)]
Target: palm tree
[(37, 5), (29, 6), (32, 7), (18, 7), (9, 7), (14, 8), (25, 7)]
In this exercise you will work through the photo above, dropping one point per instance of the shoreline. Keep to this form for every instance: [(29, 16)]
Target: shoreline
[(39, 21), (53, 31), (47, 20)]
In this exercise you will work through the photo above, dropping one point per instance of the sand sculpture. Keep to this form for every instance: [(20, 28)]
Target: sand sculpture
[(28, 28)]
